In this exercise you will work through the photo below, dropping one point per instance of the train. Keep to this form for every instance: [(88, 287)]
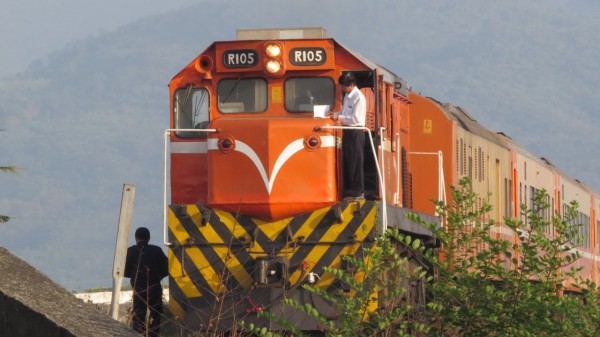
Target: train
[(253, 176)]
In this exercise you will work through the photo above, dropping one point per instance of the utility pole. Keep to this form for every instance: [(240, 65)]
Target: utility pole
[(121, 246)]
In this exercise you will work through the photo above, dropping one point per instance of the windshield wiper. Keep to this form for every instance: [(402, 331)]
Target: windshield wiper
[(232, 89)]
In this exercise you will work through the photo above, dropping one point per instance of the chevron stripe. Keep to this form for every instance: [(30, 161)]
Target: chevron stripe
[(216, 257), (180, 278), (182, 267), (325, 255), (177, 298), (259, 239), (333, 256), (216, 254), (327, 230), (225, 239), (192, 279)]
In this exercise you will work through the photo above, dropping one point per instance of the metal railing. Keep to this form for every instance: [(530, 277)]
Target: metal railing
[(379, 174)]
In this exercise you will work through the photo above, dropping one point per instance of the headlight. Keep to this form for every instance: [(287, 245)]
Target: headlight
[(273, 50), (273, 66)]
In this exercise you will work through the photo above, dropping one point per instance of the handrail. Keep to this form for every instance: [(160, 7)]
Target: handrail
[(382, 181), (379, 174), (166, 161), (398, 169)]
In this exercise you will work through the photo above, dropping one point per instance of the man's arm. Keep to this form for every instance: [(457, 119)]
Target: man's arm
[(128, 265)]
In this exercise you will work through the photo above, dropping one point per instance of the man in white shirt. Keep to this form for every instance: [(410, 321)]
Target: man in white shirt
[(353, 113)]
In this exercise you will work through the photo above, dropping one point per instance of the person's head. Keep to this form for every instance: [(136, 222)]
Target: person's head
[(347, 81), (142, 234)]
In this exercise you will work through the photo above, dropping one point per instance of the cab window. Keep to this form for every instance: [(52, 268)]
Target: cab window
[(303, 93), (191, 111), (237, 95)]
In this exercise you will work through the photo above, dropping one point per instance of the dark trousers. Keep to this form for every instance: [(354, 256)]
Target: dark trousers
[(142, 302), (353, 147)]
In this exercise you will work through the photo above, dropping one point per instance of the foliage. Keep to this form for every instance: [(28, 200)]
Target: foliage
[(489, 285), (374, 305)]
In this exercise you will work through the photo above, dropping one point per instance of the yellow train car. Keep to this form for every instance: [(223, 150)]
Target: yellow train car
[(503, 173)]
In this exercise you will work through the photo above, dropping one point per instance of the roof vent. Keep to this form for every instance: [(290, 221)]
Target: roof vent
[(282, 34)]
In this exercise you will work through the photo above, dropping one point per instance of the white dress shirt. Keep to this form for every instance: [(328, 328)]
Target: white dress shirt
[(354, 109)]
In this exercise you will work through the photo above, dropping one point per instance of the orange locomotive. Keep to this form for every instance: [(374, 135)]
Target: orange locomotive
[(255, 177)]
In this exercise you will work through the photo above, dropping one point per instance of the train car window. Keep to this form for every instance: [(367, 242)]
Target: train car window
[(303, 93), (237, 95), (191, 111), (586, 231)]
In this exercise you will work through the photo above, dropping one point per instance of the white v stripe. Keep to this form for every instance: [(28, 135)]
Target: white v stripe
[(289, 151)]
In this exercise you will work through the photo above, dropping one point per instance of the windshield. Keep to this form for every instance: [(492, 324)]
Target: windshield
[(242, 95), (191, 111), (303, 93)]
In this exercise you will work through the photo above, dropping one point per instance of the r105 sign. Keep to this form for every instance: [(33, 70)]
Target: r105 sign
[(308, 56), (241, 58)]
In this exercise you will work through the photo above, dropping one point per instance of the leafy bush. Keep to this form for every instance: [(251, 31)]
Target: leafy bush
[(375, 304), (491, 286)]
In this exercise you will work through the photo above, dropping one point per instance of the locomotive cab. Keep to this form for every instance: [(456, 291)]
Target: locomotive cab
[(245, 132)]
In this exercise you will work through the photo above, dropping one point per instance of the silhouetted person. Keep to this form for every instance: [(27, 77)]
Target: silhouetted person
[(146, 265)]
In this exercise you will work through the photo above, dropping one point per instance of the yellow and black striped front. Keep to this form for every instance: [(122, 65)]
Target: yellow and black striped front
[(225, 268)]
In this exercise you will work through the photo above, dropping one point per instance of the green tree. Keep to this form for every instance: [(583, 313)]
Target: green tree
[(489, 286)]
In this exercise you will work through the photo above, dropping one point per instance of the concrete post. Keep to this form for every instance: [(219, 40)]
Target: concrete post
[(121, 246)]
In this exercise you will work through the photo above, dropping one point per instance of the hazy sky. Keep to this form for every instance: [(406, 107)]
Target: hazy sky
[(31, 29), (533, 46)]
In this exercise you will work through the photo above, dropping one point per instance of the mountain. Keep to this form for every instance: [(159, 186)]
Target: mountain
[(91, 116)]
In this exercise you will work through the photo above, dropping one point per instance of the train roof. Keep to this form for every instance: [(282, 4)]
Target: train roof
[(467, 122), (523, 151), (400, 85), (470, 124)]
